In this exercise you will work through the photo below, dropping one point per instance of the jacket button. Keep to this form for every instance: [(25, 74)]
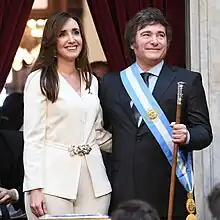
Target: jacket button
[(138, 139)]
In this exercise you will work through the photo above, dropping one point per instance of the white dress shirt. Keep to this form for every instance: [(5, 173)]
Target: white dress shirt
[(155, 72)]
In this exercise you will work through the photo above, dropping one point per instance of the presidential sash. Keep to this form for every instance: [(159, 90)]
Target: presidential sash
[(157, 122)]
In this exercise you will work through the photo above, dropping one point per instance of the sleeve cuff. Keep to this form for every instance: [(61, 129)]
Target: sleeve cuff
[(188, 137), (15, 195)]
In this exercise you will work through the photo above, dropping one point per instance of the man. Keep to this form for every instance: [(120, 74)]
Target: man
[(99, 69), (8, 200), (11, 168), (8, 195), (12, 111), (135, 210), (142, 144)]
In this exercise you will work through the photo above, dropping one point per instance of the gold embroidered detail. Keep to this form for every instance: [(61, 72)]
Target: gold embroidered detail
[(152, 114), (191, 207)]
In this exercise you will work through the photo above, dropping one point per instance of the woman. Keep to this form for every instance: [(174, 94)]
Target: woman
[(64, 171)]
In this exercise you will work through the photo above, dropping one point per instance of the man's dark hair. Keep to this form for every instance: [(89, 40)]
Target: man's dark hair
[(135, 210), (98, 63), (148, 16), (214, 201), (99, 68)]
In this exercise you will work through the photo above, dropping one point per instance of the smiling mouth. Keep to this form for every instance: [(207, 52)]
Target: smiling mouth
[(71, 48), (154, 49)]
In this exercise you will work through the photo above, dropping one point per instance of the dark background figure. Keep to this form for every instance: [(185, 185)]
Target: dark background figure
[(12, 112), (140, 169), (214, 201), (11, 149), (99, 68), (11, 163), (135, 210)]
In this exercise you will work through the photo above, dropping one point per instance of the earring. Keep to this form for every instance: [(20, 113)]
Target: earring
[(55, 53)]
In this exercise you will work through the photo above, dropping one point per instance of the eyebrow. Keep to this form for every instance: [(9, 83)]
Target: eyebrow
[(73, 29), (161, 32), (158, 32)]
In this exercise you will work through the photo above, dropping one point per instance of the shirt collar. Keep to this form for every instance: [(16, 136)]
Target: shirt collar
[(154, 71)]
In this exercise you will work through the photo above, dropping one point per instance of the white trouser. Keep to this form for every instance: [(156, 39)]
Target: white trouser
[(84, 203)]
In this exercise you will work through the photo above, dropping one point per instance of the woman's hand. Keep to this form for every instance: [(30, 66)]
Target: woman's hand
[(37, 202)]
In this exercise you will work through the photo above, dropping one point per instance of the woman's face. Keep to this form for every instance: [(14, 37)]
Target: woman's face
[(69, 41)]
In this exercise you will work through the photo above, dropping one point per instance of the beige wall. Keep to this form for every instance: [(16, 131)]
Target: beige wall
[(40, 4), (95, 48)]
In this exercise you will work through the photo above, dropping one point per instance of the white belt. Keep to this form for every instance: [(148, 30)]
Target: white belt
[(77, 149)]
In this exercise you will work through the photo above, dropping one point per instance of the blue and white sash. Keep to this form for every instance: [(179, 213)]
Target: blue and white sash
[(157, 122)]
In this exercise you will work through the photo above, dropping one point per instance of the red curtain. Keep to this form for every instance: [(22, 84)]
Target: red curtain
[(110, 17), (13, 17)]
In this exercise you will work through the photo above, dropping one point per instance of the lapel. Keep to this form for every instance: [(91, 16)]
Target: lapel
[(69, 91), (125, 101), (165, 79)]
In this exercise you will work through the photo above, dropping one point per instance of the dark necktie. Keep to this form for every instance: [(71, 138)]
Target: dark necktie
[(145, 76)]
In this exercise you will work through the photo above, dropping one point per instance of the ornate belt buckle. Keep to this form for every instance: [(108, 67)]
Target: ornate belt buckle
[(71, 150), (80, 150)]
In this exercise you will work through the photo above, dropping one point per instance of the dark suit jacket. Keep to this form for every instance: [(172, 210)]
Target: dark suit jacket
[(12, 112), (11, 163), (140, 169)]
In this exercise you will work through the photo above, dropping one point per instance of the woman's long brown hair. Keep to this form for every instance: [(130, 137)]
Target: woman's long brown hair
[(47, 61)]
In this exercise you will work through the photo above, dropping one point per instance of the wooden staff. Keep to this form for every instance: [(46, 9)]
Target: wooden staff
[(175, 150)]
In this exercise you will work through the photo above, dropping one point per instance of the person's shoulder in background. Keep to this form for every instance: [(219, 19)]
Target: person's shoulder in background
[(12, 112), (214, 201)]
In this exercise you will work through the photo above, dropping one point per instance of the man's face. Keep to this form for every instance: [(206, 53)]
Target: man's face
[(150, 44)]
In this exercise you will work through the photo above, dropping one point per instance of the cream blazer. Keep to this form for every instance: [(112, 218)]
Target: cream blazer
[(51, 128)]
